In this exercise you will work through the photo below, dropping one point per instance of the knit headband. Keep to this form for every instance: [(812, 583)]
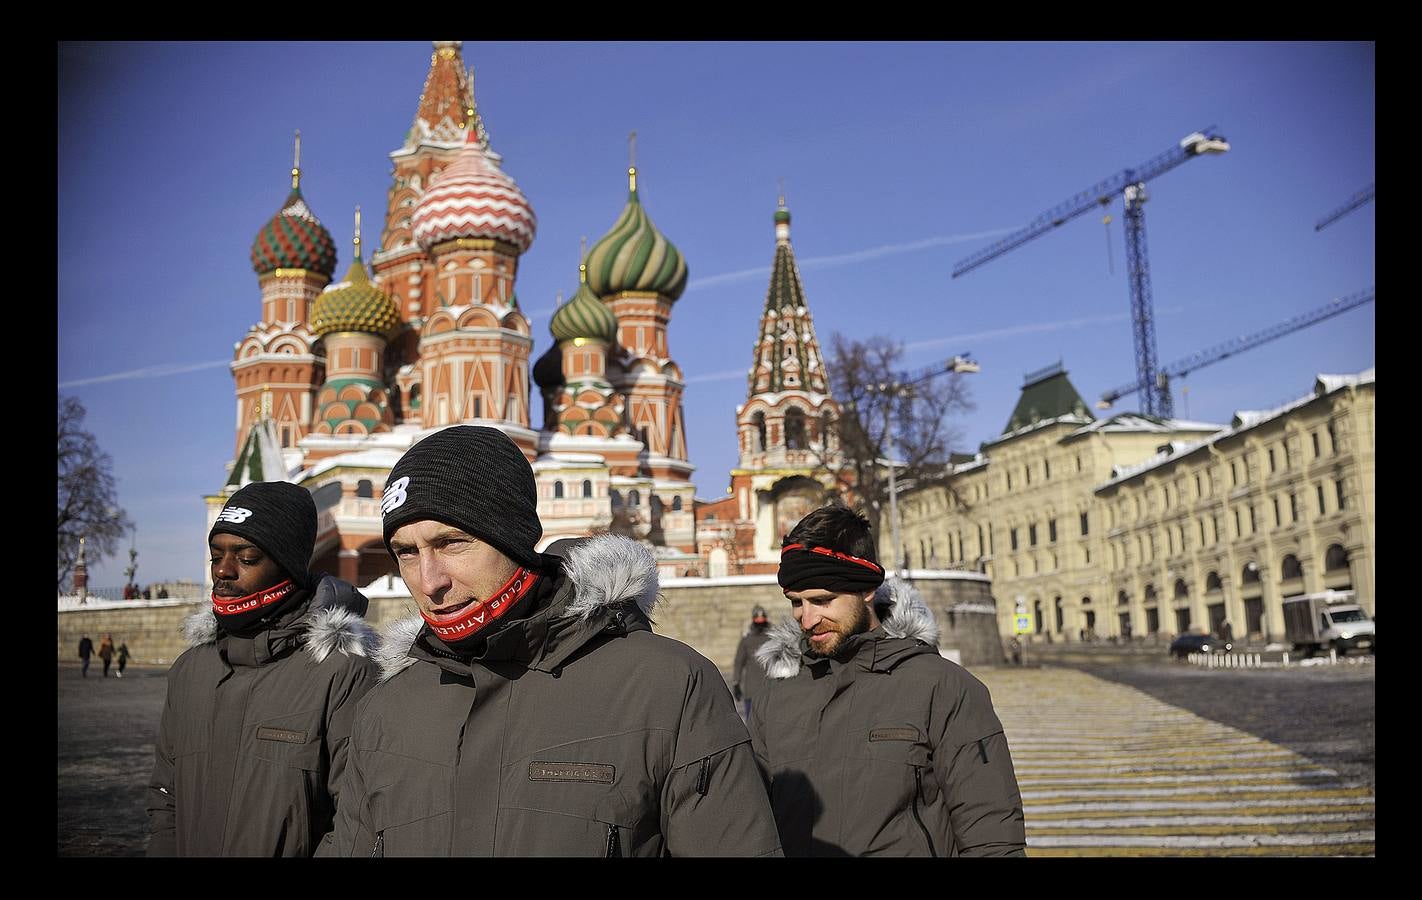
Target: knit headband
[(807, 568)]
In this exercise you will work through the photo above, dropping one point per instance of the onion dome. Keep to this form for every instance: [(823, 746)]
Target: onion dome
[(355, 304), (294, 238), (584, 316), (634, 255), (548, 370), (473, 198)]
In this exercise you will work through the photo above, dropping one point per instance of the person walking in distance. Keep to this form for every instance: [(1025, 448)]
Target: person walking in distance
[(122, 658), (106, 652), (747, 676), (86, 650)]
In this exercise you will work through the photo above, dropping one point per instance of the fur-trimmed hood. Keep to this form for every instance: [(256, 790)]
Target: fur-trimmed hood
[(908, 617), (608, 572), (333, 621)]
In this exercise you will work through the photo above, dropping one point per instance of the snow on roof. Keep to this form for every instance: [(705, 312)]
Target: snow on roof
[(1244, 420), (1068, 419), (376, 458), (1331, 383), (386, 586)]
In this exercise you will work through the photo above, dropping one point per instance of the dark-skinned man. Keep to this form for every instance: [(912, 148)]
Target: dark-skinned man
[(253, 741)]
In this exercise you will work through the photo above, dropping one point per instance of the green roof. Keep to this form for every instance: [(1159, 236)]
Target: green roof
[(635, 256), (1047, 398)]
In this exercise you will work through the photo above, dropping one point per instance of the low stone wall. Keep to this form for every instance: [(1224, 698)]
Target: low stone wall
[(709, 614), (153, 630)]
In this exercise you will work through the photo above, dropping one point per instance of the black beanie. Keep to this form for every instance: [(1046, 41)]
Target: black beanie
[(474, 478), (279, 517)]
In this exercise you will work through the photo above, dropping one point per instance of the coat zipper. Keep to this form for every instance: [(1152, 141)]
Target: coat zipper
[(918, 792), (614, 842), (379, 844)]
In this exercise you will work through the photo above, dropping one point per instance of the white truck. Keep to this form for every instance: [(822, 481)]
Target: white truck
[(1328, 619)]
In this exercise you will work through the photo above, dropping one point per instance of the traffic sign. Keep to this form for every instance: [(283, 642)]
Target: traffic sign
[(1022, 623)]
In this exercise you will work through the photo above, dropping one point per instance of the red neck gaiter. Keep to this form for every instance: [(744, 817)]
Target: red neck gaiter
[(236, 613), (459, 627)]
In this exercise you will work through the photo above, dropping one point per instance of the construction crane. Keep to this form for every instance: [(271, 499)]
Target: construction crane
[(1130, 184), (1353, 203), (1229, 348)]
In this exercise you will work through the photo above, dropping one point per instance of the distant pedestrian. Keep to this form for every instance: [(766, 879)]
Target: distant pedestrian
[(106, 652), (1226, 632), (122, 658), (1015, 646), (747, 675), (86, 650), (148, 593), (162, 593)]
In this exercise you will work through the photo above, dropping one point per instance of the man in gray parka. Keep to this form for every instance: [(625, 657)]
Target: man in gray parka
[(252, 743), (528, 709), (873, 743)]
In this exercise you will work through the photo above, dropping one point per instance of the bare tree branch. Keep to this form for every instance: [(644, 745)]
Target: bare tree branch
[(87, 505)]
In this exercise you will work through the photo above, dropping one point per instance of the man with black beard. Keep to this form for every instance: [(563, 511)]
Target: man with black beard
[(873, 743), (253, 740), (528, 709)]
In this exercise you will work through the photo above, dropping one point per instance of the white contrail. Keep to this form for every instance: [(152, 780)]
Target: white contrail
[(1031, 328), (842, 259), (717, 376), (158, 371)]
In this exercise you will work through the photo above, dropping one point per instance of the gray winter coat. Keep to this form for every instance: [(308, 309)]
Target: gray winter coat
[(746, 673), (252, 743), (888, 749), (577, 732)]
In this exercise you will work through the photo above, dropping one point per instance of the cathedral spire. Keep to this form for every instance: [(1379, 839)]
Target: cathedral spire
[(447, 102), (357, 232), (787, 355), (296, 164)]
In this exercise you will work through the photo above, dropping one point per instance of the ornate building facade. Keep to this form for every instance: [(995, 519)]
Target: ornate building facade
[(1135, 527), (336, 381), (785, 429)]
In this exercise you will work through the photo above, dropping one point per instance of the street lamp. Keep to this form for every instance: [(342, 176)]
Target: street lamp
[(904, 389)]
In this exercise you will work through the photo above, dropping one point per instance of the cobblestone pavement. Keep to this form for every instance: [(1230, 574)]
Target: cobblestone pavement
[(1108, 770), (107, 728)]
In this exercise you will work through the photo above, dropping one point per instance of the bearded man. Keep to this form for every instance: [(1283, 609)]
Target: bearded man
[(872, 742)]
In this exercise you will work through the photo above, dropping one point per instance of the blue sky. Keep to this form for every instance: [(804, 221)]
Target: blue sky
[(899, 159)]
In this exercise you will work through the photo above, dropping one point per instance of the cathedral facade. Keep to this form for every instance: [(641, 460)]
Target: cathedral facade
[(338, 379)]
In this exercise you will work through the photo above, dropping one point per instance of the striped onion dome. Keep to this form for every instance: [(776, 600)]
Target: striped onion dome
[(473, 198), (584, 316), (635, 256), (355, 305), (294, 239)]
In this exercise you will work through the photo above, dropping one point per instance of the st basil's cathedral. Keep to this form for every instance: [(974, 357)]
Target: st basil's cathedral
[(339, 379)]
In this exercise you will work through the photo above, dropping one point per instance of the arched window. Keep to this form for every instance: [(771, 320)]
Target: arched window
[(1290, 568), (676, 504), (414, 397), (1122, 599), (1336, 558), (1181, 591), (616, 496), (634, 498), (758, 420), (1250, 574), (557, 490), (1150, 593), (1212, 582), (587, 488), (795, 428), (364, 488)]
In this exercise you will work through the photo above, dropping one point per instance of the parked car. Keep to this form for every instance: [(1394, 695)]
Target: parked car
[(1186, 644)]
